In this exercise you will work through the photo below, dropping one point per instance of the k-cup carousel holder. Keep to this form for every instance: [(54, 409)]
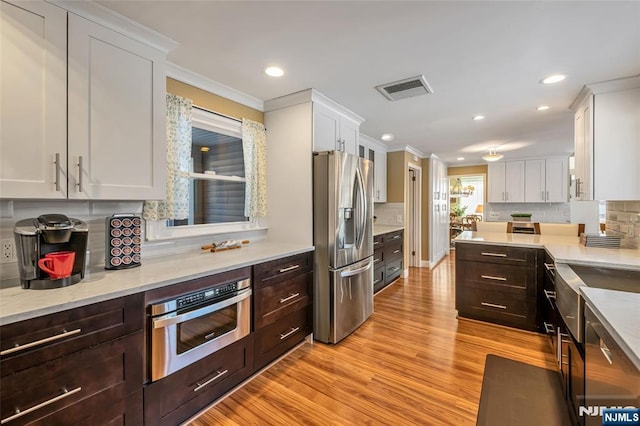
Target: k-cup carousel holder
[(123, 238)]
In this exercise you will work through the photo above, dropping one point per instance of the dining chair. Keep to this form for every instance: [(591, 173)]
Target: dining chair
[(560, 229), (490, 226)]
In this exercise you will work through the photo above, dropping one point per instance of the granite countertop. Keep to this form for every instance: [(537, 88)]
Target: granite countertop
[(619, 313), (562, 249), (384, 229), (17, 304)]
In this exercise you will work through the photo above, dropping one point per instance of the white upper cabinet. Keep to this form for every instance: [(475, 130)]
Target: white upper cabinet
[(112, 87), (33, 115), (547, 180), (334, 127), (607, 135), (376, 152), (506, 182), (117, 142)]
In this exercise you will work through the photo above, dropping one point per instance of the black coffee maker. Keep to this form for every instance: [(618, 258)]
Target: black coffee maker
[(49, 233)]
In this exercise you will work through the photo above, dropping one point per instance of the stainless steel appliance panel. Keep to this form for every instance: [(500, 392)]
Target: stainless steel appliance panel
[(611, 379), (351, 298)]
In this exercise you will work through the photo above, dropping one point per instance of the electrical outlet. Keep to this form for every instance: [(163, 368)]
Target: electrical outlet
[(8, 253)]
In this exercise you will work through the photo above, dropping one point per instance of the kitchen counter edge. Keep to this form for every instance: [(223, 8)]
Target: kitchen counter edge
[(385, 229), (18, 304)]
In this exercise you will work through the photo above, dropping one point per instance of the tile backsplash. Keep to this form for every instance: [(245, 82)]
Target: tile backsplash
[(541, 212), (623, 218), (389, 213), (94, 214)]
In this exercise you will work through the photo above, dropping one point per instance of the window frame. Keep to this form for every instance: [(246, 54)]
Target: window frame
[(158, 229)]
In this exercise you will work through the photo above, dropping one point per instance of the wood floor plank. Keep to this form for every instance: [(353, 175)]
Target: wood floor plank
[(412, 362)]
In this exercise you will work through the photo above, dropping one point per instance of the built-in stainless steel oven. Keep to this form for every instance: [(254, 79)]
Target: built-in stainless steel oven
[(192, 326)]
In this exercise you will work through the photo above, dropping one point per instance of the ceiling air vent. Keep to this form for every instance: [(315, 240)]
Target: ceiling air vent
[(407, 88)]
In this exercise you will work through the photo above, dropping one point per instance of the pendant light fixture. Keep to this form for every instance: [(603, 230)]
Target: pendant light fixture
[(492, 155)]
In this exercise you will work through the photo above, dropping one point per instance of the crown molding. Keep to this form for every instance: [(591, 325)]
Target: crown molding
[(311, 95), (608, 86), (117, 22), (194, 79), (409, 149)]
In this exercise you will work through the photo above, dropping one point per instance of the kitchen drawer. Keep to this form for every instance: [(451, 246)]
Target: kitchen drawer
[(378, 279), (171, 400), (392, 251), (65, 381), (276, 301), (501, 275), (507, 306), (281, 269), (393, 270), (277, 338), (505, 255), (378, 241), (103, 408), (31, 342), (393, 236), (378, 258)]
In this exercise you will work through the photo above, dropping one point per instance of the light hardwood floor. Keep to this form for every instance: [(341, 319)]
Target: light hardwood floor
[(412, 362)]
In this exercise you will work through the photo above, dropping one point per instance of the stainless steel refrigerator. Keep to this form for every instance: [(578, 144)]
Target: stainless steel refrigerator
[(343, 238)]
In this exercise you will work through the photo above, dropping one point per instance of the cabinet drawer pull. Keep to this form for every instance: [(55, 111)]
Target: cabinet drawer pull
[(376, 281), (491, 277), (290, 268), (395, 237), (289, 333), (376, 242), (41, 341), (217, 376), (493, 305), (550, 294), (396, 251), (549, 266), (606, 352), (493, 254), (291, 296), (549, 328), (80, 187), (376, 260), (19, 413), (395, 268)]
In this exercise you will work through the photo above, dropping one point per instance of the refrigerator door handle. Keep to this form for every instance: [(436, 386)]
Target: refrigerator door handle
[(362, 208), (358, 271)]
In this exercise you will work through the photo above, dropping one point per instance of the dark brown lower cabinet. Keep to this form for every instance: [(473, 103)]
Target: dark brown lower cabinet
[(182, 394), (277, 338), (389, 259), (107, 377)]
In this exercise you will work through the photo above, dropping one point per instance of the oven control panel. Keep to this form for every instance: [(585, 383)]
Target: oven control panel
[(201, 296)]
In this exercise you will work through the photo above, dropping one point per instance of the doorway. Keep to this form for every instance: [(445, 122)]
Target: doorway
[(413, 231), (466, 201)]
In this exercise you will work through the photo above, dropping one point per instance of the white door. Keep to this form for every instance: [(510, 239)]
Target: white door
[(557, 178), (325, 129), (349, 134), (496, 186), (117, 133), (514, 182), (534, 190), (33, 100)]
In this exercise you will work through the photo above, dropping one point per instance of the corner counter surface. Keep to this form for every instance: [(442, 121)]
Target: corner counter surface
[(619, 313), (17, 304), (562, 249), (385, 229)]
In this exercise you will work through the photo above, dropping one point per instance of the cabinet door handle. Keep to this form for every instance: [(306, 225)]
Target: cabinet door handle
[(57, 163), (506, 196), (291, 296), (550, 294), (550, 266), (289, 333), (395, 237), (493, 305), (606, 352), (493, 254), (503, 199), (491, 277), (19, 413), (41, 341), (376, 282), (290, 268), (542, 195), (217, 376), (547, 197), (80, 187), (549, 328), (396, 251)]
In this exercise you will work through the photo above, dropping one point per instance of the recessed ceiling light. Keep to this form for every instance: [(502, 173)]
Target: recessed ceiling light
[(387, 137), (553, 79), (543, 107), (478, 117), (460, 158), (274, 71)]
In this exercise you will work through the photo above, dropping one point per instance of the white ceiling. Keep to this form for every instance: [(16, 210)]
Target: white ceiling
[(479, 57)]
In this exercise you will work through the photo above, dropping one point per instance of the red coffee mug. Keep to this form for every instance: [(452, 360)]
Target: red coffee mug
[(58, 264)]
